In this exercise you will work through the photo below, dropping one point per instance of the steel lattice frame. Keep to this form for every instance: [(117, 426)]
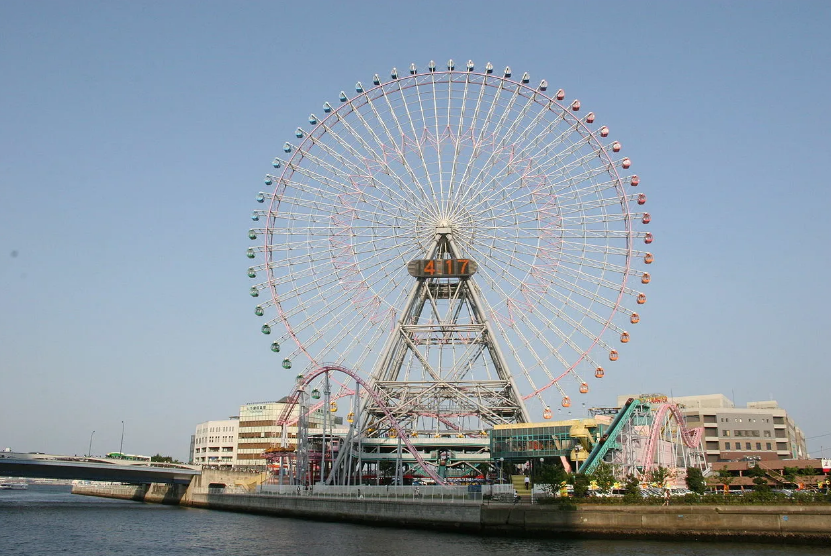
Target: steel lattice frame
[(536, 194), (657, 437)]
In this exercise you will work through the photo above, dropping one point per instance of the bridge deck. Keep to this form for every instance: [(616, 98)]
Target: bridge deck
[(43, 466)]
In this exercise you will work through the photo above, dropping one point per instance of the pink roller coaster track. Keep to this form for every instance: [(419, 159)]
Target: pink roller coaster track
[(328, 367), (690, 437)]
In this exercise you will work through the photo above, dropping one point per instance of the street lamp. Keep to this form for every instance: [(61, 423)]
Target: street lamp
[(89, 451), (501, 461), (121, 447), (577, 458)]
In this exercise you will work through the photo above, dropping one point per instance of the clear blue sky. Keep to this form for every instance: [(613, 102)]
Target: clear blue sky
[(134, 138)]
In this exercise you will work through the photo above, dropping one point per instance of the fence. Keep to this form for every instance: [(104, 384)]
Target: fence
[(431, 493)]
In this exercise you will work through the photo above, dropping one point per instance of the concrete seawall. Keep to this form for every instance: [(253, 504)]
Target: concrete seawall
[(790, 524)]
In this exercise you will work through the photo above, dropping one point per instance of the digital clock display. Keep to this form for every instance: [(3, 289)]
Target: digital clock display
[(442, 268)]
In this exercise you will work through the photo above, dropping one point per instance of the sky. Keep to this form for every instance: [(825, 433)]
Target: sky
[(134, 137)]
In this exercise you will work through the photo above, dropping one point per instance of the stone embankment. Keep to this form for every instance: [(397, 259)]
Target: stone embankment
[(789, 524)]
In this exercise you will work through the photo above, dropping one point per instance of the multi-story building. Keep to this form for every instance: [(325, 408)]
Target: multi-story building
[(762, 430), (258, 430), (215, 443)]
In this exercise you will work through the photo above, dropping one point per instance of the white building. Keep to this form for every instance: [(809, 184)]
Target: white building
[(215, 443)]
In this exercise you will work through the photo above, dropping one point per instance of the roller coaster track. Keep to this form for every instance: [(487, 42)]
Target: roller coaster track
[(690, 437), (609, 439), (294, 398)]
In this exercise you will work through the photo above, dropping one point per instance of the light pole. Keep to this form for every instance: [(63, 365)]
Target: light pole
[(89, 451), (501, 461), (121, 447), (577, 458)]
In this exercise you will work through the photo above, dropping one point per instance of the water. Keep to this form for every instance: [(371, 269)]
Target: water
[(49, 520)]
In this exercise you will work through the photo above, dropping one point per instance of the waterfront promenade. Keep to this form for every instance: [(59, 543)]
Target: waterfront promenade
[(796, 524)]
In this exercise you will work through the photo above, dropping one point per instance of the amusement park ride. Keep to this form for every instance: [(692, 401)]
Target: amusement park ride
[(442, 252)]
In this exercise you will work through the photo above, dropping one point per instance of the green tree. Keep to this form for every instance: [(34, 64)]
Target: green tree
[(550, 477), (660, 475), (790, 474), (755, 471), (725, 476), (631, 489), (761, 490), (695, 480), (604, 476), (386, 468), (158, 458), (581, 485)]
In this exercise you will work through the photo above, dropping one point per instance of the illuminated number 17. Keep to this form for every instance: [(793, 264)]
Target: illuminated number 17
[(464, 265)]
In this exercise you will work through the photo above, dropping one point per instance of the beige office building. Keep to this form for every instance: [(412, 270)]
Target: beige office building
[(258, 430)]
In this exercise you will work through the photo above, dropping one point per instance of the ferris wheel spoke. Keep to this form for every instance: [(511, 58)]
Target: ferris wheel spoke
[(380, 160), (577, 325), (483, 178), (526, 157), (416, 135), (349, 183), (617, 270), (339, 190), (485, 131), (399, 152), (501, 148), (376, 158), (535, 299), (457, 143)]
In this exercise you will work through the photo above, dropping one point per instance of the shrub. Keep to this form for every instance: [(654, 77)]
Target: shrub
[(696, 481)]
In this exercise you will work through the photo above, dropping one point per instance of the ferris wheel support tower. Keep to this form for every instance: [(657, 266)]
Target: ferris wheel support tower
[(453, 399)]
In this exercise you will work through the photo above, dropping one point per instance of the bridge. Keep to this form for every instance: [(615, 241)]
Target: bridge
[(46, 466)]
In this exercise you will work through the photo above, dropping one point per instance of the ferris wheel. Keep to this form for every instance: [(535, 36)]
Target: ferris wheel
[(462, 237)]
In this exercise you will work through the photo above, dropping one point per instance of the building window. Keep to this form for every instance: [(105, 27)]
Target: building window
[(726, 445), (758, 445), (767, 445), (725, 433), (747, 445), (767, 434)]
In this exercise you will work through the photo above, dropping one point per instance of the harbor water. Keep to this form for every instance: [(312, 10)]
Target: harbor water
[(48, 520)]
